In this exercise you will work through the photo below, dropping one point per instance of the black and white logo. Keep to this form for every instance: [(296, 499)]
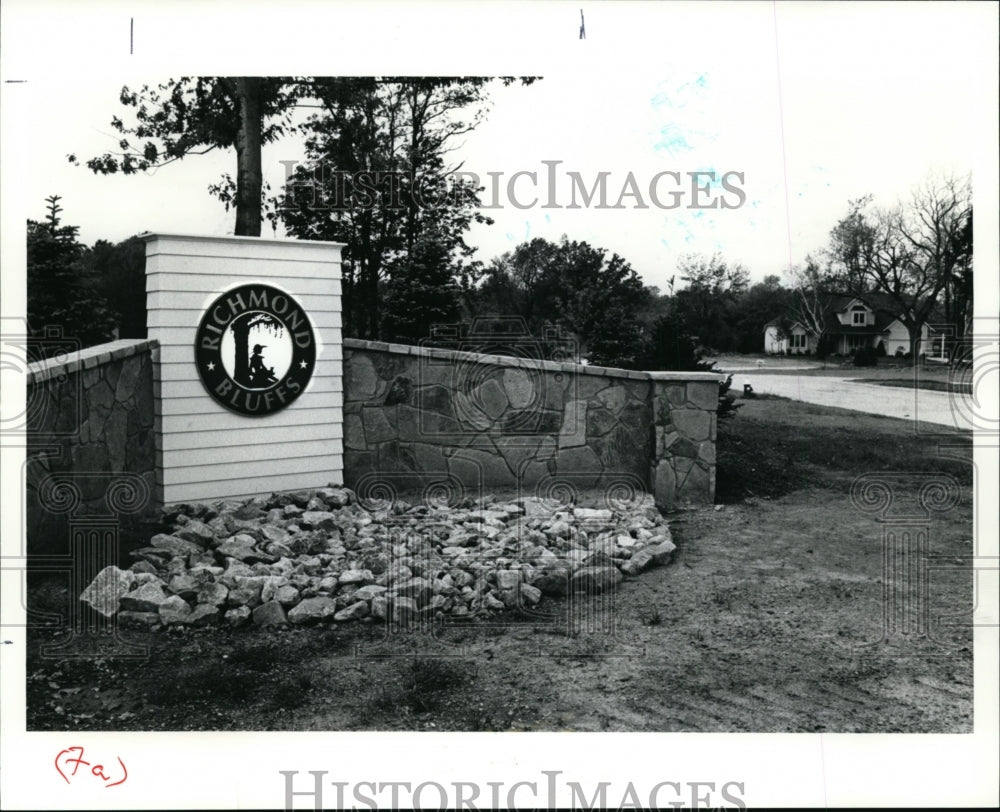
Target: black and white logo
[(255, 350)]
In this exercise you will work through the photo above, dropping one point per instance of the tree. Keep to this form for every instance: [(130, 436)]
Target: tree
[(241, 327), (61, 292), (910, 253), (959, 287), (120, 270), (573, 286), (377, 178), (761, 303), (705, 305), (195, 115), (420, 294), (812, 288), (671, 348), (520, 283)]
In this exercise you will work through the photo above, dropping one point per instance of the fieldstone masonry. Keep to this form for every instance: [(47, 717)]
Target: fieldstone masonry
[(418, 418), (91, 441), (684, 417)]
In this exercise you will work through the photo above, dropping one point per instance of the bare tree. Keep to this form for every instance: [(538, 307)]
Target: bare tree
[(812, 289), (907, 252)]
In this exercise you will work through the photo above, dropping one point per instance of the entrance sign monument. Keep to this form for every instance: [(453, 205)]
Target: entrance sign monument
[(248, 389)]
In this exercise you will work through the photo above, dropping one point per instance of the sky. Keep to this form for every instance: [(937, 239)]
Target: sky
[(813, 105)]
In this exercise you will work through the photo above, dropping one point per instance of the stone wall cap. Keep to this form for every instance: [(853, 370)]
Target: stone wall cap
[(442, 354), (89, 357)]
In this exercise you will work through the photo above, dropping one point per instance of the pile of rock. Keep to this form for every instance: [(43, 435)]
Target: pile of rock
[(307, 556)]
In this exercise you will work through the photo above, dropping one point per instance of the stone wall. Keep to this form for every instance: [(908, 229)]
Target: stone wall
[(447, 422), (90, 457)]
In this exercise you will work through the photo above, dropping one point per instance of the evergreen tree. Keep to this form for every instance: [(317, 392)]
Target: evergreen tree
[(61, 292), (121, 269), (421, 293)]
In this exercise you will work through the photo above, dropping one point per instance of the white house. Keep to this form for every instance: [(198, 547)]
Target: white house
[(850, 325)]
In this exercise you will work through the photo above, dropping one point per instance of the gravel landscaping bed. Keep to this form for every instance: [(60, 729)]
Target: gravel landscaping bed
[(321, 555)]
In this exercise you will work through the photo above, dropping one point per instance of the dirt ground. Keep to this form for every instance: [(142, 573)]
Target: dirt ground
[(769, 618)]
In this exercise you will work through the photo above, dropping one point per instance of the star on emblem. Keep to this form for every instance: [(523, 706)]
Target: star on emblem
[(303, 364), (211, 366)]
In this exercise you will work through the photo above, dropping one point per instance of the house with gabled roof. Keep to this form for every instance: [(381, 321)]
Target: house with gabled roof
[(851, 324)]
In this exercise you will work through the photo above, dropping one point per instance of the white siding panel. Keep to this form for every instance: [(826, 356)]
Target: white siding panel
[(299, 413), (251, 452), (178, 406), (189, 388), (180, 474), (179, 276), (185, 336), (187, 300), (253, 486), (214, 282), (248, 436), (242, 248)]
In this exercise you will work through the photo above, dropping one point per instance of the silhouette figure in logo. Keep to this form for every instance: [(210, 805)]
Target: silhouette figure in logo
[(259, 374)]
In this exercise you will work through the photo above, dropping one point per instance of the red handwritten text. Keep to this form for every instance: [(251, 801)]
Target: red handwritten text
[(73, 756)]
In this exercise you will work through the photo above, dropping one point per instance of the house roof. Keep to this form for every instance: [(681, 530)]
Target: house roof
[(884, 306)]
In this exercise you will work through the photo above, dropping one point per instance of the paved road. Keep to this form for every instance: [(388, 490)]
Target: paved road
[(941, 408)]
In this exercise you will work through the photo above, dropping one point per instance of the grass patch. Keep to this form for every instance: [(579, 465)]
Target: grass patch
[(777, 446), (421, 686), (928, 385), (427, 680), (291, 693), (215, 680), (651, 616), (254, 657)]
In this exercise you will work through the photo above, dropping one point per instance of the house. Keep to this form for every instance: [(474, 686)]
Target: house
[(850, 325)]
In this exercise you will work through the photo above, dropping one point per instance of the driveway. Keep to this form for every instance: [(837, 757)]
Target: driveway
[(941, 408)]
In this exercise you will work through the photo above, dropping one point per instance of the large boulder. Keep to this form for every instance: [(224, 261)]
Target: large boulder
[(174, 546), (271, 613), (146, 598), (593, 580), (662, 551), (174, 610), (196, 532), (355, 611), (107, 588), (312, 610)]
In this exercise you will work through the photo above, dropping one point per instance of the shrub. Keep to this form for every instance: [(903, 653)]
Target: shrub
[(824, 347), (672, 347), (865, 357), (727, 400)]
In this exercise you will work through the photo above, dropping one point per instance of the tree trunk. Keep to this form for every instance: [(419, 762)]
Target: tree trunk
[(241, 340), (914, 331), (249, 178)]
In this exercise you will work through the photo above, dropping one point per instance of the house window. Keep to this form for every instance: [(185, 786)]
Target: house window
[(798, 341), (859, 316), (854, 342)]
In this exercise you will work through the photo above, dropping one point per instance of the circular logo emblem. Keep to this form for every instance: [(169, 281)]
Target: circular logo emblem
[(255, 350)]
